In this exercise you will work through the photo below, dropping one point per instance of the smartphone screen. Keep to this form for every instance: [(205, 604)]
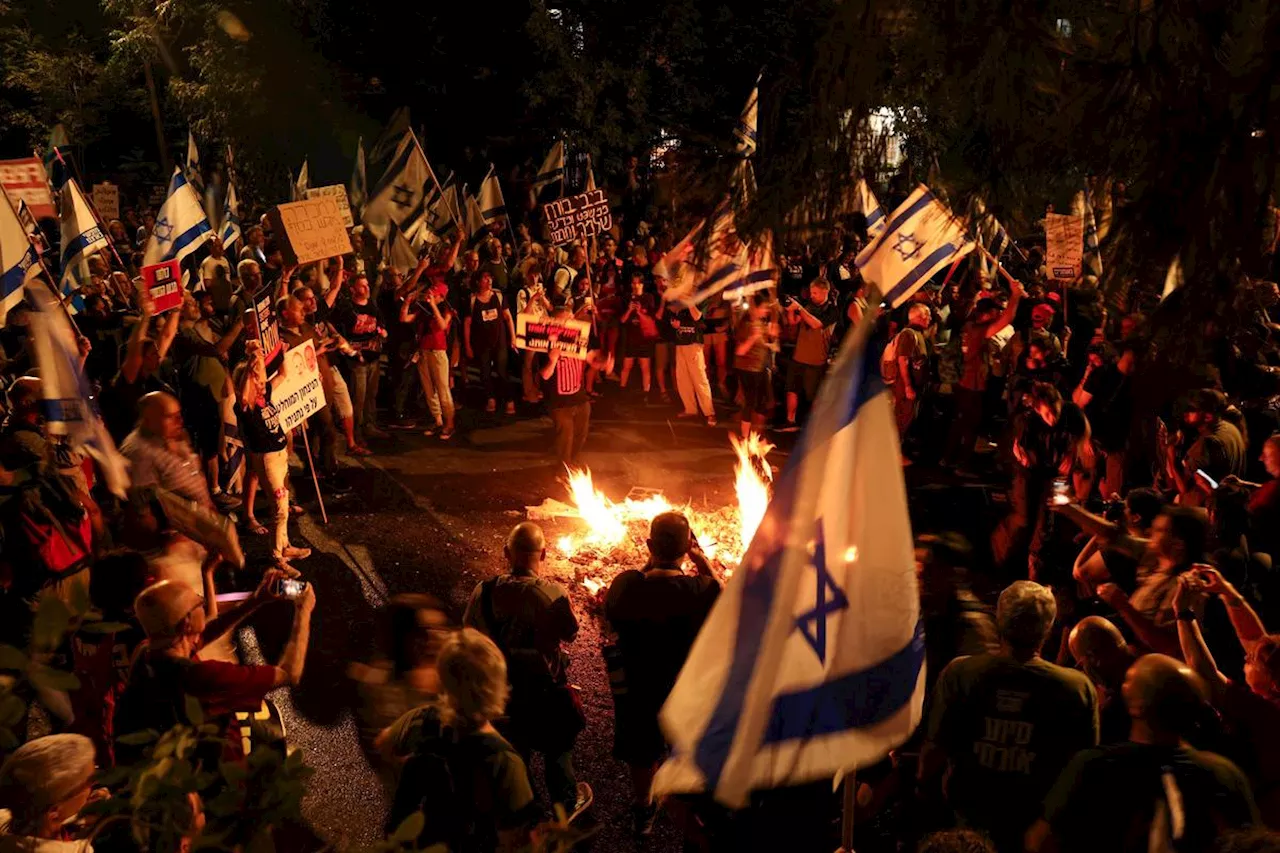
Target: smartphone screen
[(287, 588)]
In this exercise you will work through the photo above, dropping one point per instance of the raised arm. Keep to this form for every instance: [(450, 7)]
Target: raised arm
[(1249, 627), (168, 332), (1010, 311), (133, 352), (1195, 651)]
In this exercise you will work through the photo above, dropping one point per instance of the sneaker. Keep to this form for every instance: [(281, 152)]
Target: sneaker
[(432, 430), (510, 408), (711, 421), (491, 406), (446, 434), (294, 553), (225, 502)]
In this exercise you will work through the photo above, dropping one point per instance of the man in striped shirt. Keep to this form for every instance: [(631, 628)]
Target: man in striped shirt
[(565, 393)]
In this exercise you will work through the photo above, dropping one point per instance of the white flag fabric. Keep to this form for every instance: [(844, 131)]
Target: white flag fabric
[(442, 213), (474, 220), (388, 142), (194, 173), (358, 192), (811, 662), (81, 237), (181, 226), (1092, 254), (230, 230), (68, 407), (865, 203), (747, 123), (401, 195), (552, 169), (492, 205), (299, 191), (728, 265), (921, 237), (397, 252), (19, 262)]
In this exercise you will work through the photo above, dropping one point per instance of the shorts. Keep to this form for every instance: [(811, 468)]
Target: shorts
[(804, 377), (714, 338), (635, 345), (340, 398)]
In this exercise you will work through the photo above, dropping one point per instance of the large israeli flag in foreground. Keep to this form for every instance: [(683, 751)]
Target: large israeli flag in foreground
[(812, 660), (181, 227), (19, 262), (921, 237)]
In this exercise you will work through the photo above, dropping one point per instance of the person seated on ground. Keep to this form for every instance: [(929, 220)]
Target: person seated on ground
[(1098, 563), (1006, 723), (1153, 792), (43, 786), (529, 618), (656, 614), (1179, 537), (168, 668), (469, 783), (1102, 653)]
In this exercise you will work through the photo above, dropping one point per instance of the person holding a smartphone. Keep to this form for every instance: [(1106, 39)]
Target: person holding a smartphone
[(1217, 449)]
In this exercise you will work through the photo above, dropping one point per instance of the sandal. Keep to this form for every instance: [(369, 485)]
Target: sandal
[(359, 450), (294, 509), (252, 525)]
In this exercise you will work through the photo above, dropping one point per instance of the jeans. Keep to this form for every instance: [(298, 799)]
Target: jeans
[(364, 381), (570, 424), (433, 373), (691, 380), (488, 360), (273, 478)]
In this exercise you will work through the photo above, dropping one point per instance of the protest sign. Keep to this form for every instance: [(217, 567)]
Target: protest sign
[(313, 230), (339, 194), (537, 333), (577, 217), (299, 395), (262, 322), (106, 198), (1064, 246), (24, 180), (164, 281)]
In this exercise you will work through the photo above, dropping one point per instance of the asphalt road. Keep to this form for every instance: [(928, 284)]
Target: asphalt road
[(427, 516)]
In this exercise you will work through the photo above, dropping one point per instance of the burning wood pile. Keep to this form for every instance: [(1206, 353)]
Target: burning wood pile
[(612, 535)]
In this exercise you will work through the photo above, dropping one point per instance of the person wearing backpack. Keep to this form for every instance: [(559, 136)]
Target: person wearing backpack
[(469, 783), (529, 617), (905, 366)]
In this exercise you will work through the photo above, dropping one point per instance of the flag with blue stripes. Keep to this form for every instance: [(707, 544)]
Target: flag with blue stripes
[(181, 226), (748, 122), (358, 191), (492, 205), (69, 408), (811, 662), (865, 202), (920, 238), (401, 195), (230, 229), (1092, 254), (81, 237), (552, 169), (19, 262)]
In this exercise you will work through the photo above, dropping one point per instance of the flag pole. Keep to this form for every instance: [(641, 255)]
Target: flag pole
[(315, 480), (48, 277), (97, 217), (848, 803)]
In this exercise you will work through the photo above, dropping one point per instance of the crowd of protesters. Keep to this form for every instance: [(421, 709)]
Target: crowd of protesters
[(1100, 672)]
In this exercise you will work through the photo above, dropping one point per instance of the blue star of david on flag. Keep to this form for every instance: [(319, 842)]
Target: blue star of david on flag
[(163, 230), (828, 599), (907, 246)]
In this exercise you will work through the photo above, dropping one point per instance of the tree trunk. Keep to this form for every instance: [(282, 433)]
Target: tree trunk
[(155, 115)]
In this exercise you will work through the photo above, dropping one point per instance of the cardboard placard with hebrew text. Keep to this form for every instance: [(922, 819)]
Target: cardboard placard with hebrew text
[(577, 217), (541, 334), (339, 194), (1064, 246), (313, 230), (106, 199)]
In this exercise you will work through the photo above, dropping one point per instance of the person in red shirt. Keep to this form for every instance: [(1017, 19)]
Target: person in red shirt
[(168, 668), (430, 309)]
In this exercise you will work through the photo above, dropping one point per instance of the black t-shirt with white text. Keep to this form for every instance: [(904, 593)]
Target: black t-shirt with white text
[(260, 425)]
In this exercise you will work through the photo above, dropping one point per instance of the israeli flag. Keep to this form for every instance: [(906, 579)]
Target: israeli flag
[(727, 264), (811, 662), (492, 205), (19, 262), (552, 169), (388, 142), (864, 202), (921, 237), (181, 227), (401, 195), (194, 173), (474, 220), (442, 213), (358, 191), (230, 230), (69, 409), (1092, 255), (81, 237), (747, 123)]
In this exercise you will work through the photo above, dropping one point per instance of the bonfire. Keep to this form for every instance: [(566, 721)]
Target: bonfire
[(612, 534)]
